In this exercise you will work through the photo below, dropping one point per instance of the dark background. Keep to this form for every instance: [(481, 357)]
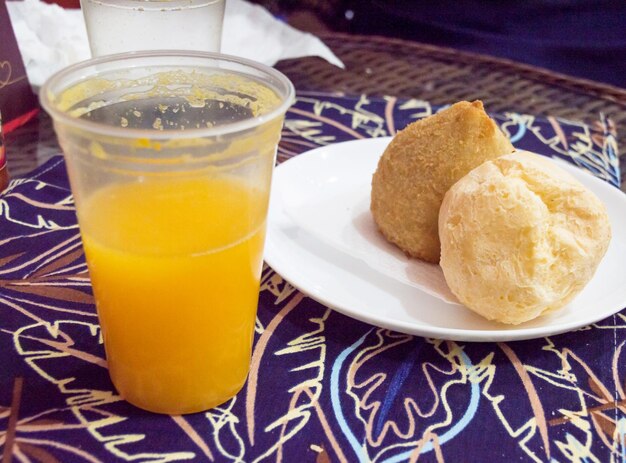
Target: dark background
[(582, 38)]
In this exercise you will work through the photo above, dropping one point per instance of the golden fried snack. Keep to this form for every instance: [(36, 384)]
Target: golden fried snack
[(420, 164), (520, 237)]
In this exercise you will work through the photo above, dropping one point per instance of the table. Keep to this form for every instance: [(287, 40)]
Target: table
[(385, 66), (322, 387)]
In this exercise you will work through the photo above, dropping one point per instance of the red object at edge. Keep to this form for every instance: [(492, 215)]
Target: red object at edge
[(65, 3), (20, 120)]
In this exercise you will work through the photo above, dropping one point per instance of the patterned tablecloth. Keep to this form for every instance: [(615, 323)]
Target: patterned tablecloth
[(322, 387)]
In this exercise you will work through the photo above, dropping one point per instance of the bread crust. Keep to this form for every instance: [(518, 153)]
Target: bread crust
[(520, 237)]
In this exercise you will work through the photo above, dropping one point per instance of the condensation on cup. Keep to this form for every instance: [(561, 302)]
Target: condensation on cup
[(117, 26)]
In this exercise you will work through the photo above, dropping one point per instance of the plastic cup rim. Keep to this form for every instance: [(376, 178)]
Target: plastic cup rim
[(154, 5), (108, 130)]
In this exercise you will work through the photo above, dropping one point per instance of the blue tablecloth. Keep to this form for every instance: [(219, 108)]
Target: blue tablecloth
[(322, 387)]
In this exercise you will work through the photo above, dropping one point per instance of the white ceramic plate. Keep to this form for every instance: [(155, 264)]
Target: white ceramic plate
[(318, 241)]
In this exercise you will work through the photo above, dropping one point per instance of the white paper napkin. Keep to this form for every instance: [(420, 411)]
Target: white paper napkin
[(250, 31), (50, 37)]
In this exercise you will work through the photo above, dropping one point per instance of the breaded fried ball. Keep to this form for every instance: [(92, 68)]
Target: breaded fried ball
[(420, 164), (520, 237)]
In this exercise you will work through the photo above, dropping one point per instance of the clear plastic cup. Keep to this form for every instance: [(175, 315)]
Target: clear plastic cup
[(170, 157), (117, 26)]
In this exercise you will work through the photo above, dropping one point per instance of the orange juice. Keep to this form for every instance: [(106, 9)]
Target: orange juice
[(170, 156), (175, 267)]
